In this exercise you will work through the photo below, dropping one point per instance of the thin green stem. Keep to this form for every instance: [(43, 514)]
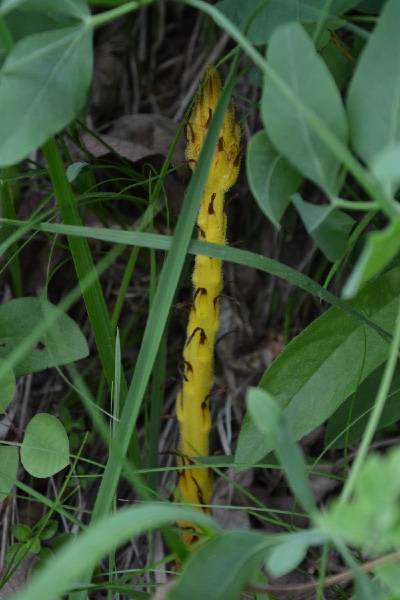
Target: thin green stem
[(323, 565), (354, 205), (124, 286), (155, 413), (115, 13)]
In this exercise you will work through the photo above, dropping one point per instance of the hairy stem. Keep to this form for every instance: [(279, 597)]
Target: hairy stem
[(192, 405)]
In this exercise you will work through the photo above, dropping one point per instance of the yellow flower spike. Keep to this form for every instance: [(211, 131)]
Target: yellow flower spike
[(192, 403)]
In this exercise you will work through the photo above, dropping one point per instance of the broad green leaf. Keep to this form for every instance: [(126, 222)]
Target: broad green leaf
[(104, 535), (21, 531), (17, 552), (45, 448), (292, 56), (328, 226), (74, 8), (7, 385), (354, 413), (323, 365), (268, 418), (271, 178), (44, 82), (287, 555), (371, 6), (22, 23), (338, 64), (61, 344), (323, 37), (220, 569), (380, 248), (385, 167), (373, 100), (285, 558), (24, 17), (8, 469), (49, 530), (264, 17)]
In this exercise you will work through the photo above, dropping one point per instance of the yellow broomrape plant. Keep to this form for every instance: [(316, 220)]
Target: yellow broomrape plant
[(192, 403)]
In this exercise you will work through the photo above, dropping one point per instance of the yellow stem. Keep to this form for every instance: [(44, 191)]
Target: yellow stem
[(192, 405)]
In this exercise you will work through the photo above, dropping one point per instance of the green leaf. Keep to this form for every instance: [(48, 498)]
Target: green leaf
[(45, 555), (324, 35), (268, 418), (17, 552), (78, 8), (389, 574), (374, 109), (338, 64), (275, 13), (45, 448), (225, 253), (370, 519), (380, 248), (271, 178), (220, 569), (49, 530), (287, 555), (63, 343), (328, 226), (292, 56), (107, 3), (385, 167), (371, 6), (8, 469), (323, 365), (7, 384), (367, 589), (74, 170), (43, 84), (22, 23), (354, 413), (104, 535), (21, 532)]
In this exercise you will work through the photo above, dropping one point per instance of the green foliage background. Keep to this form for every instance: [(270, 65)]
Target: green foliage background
[(334, 124)]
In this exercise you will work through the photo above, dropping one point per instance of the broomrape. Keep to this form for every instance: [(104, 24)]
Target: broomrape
[(192, 403)]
